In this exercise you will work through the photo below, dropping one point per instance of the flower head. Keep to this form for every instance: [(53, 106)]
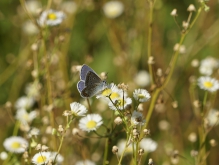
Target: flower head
[(213, 117), (85, 162), (208, 65), (122, 146), (41, 158), (3, 155), (78, 109), (141, 95), (112, 91), (29, 28), (15, 144), (113, 9), (33, 90), (33, 132), (142, 78), (90, 122), (24, 102), (208, 83), (59, 158), (51, 18), (120, 103), (148, 145), (137, 118), (24, 117)]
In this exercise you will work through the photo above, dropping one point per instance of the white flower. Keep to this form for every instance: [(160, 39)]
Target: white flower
[(120, 103), (51, 18), (141, 95), (148, 145), (59, 158), (69, 7), (90, 122), (33, 90), (113, 9), (78, 109), (85, 162), (41, 158), (24, 103), (3, 155), (137, 118), (24, 117), (142, 79), (213, 117), (208, 83), (111, 91), (208, 65), (29, 28), (121, 147), (33, 6), (15, 144), (33, 132)]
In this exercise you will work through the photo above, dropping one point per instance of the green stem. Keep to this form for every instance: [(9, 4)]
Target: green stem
[(121, 157), (106, 151), (16, 128), (204, 100), (150, 38)]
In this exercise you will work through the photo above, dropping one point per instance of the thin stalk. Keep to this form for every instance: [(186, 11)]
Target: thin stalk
[(16, 128), (150, 38), (89, 106), (172, 67), (106, 151)]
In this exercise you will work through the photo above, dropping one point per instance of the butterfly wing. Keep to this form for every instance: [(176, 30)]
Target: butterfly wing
[(84, 70), (90, 83), (81, 85), (90, 91), (92, 78)]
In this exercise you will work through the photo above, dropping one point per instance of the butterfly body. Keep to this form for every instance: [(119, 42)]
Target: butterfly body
[(90, 83)]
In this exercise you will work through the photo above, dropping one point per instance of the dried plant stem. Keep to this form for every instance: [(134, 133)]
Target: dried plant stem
[(150, 38), (49, 89)]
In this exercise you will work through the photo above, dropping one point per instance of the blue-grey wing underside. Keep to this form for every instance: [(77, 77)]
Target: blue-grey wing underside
[(84, 70), (81, 85)]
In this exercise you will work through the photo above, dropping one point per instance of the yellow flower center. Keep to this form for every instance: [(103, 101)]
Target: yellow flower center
[(208, 84), (41, 159), (91, 124), (26, 116), (120, 102), (141, 96), (106, 92), (52, 16), (114, 95), (15, 145)]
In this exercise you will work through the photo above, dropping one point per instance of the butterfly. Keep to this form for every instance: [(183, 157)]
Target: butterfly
[(90, 83)]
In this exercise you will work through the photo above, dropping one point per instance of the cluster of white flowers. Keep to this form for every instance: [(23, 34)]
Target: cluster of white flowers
[(46, 157), (117, 98), (208, 65)]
